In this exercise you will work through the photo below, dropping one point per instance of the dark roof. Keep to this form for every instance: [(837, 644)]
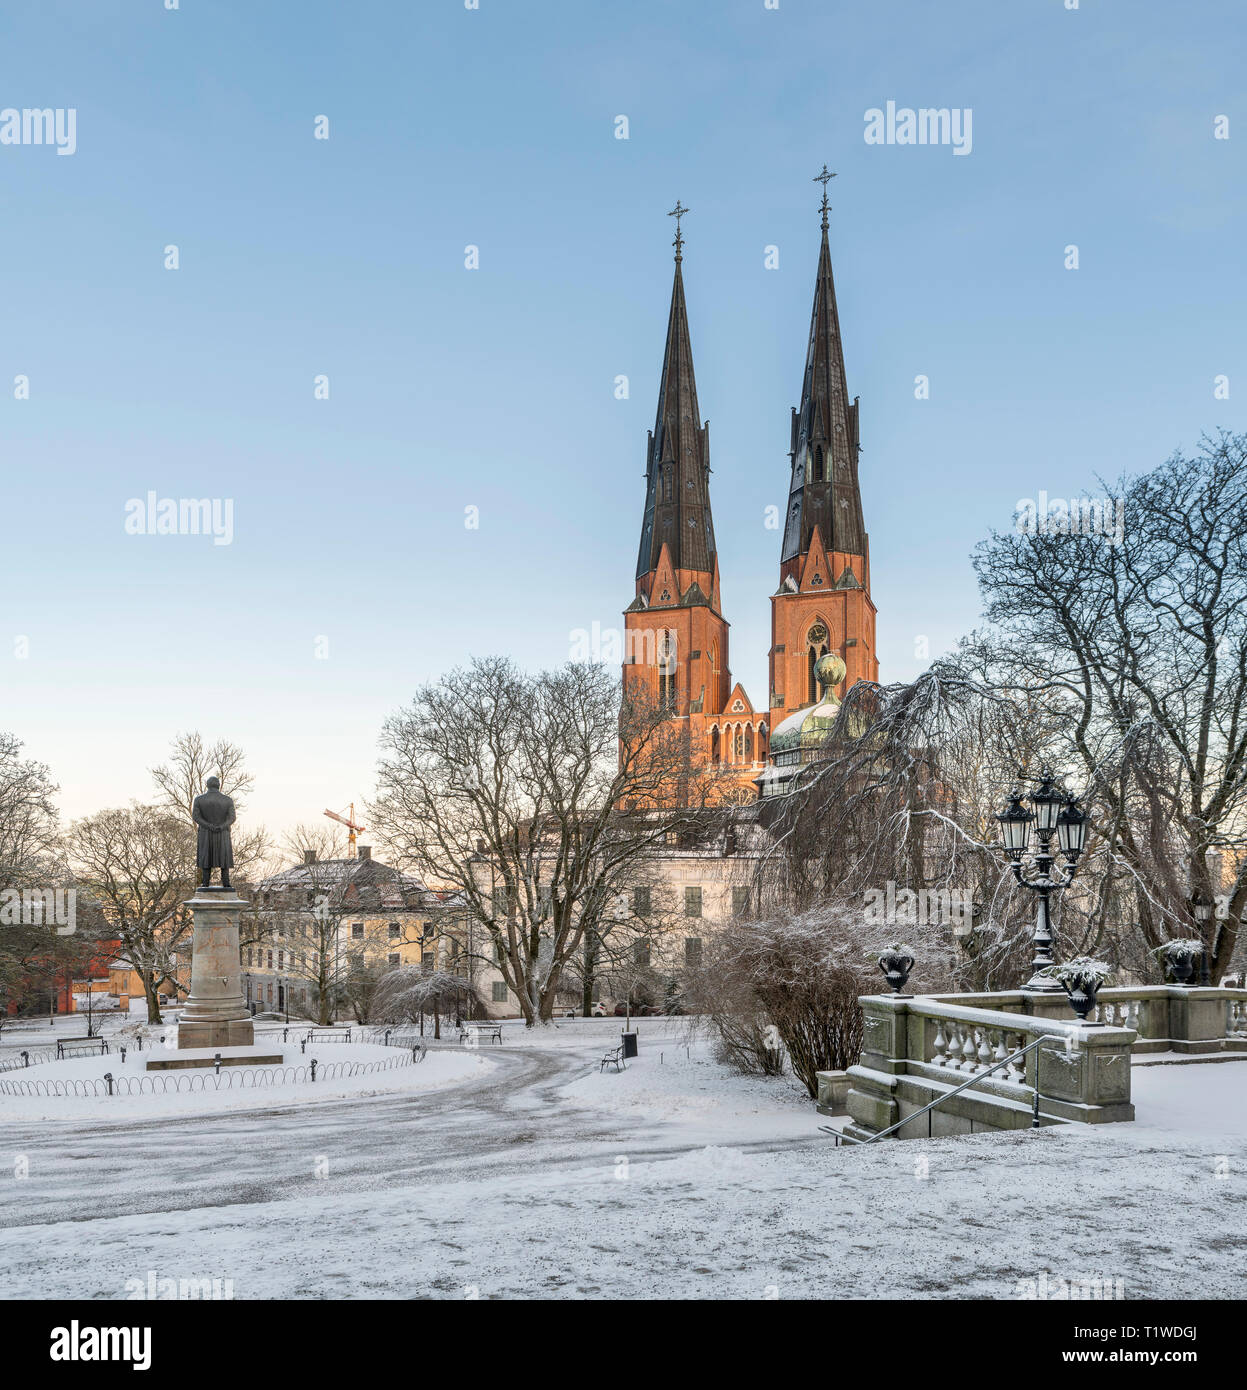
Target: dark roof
[(677, 466), (355, 883), (825, 425)]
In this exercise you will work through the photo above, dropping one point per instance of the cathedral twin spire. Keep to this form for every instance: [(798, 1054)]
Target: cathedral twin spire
[(677, 470), (677, 634), (823, 491)]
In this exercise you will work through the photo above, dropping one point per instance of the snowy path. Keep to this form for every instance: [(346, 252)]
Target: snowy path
[(542, 1179)]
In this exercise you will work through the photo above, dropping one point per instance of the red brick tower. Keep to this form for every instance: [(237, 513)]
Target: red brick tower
[(675, 634), (823, 601)]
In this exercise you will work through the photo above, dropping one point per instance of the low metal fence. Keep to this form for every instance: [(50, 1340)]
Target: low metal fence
[(219, 1079)]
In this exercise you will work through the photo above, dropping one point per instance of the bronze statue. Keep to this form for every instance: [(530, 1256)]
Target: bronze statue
[(213, 812)]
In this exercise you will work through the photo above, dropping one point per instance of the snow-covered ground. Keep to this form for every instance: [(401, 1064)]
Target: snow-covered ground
[(344, 1069), (542, 1177)]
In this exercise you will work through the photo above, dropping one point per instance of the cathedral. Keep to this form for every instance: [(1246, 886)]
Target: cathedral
[(822, 617)]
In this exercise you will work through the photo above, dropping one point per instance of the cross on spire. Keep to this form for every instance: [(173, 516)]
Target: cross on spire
[(678, 212), (824, 178)]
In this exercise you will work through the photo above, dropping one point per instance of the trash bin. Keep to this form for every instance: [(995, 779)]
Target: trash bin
[(629, 1044)]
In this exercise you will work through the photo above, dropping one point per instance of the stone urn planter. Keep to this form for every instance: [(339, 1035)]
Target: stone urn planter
[(1081, 979), (1178, 958), (896, 962)]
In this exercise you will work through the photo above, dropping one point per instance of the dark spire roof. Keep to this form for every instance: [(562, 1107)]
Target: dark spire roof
[(677, 470), (824, 490)]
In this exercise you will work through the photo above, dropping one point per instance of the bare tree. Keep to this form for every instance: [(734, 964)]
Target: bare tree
[(893, 811), (1139, 645), (28, 820), (409, 993), (323, 842), (139, 865), (29, 858), (535, 799), (180, 780)]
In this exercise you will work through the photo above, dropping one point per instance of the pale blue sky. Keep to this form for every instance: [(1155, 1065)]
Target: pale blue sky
[(493, 388)]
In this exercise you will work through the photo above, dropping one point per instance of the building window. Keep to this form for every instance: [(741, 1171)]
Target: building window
[(640, 901), (357, 931), (692, 902), (427, 931), (270, 960), (714, 746), (641, 954), (395, 931), (666, 671), (692, 951), (393, 957), (500, 991), (281, 960), (250, 955), (740, 901)]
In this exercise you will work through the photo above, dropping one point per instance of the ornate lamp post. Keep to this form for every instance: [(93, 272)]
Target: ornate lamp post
[(1055, 812), (1201, 910)]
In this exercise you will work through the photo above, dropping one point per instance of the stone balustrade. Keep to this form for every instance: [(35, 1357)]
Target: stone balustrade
[(1166, 1018), (915, 1050)]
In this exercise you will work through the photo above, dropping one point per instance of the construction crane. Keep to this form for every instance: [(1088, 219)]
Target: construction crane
[(352, 828)]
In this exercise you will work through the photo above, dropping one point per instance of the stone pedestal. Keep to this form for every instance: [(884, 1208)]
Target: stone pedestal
[(215, 1013), (1046, 1003), (181, 1060), (833, 1092)]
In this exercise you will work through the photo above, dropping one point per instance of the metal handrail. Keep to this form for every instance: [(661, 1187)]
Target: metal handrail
[(948, 1095)]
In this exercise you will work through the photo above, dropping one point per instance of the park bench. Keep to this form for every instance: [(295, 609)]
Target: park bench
[(79, 1044), (493, 1031), (614, 1058), (328, 1035)]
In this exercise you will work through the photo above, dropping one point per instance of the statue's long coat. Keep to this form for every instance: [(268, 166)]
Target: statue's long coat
[(213, 813)]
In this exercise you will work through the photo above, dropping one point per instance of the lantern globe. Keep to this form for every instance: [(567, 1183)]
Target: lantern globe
[(1015, 824), (1047, 802), (1071, 829)]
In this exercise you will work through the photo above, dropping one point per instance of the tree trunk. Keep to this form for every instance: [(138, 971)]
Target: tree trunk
[(151, 995), (586, 998)]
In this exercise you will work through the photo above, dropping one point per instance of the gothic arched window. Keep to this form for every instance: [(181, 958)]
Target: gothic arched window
[(666, 672)]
